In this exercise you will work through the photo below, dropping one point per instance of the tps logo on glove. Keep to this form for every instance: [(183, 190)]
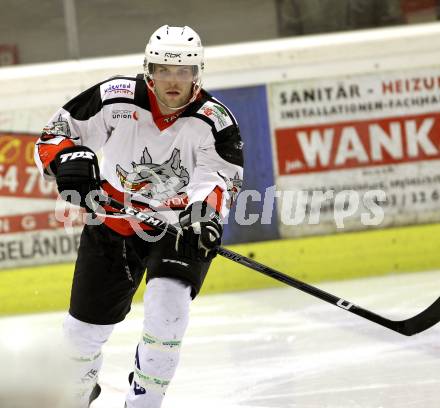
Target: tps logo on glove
[(76, 170), (77, 155)]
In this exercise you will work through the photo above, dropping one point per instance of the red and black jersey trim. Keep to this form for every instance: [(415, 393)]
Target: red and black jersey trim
[(215, 198), (88, 103), (228, 142), (85, 105)]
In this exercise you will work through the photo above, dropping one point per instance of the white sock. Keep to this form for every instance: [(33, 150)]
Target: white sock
[(166, 308), (85, 341)]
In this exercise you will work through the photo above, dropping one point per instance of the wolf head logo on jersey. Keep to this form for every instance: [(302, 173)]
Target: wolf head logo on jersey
[(152, 180), (59, 127)]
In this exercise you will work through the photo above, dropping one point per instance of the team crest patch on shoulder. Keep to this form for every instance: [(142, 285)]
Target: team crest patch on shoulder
[(217, 114), (118, 88), (59, 127), (233, 185)]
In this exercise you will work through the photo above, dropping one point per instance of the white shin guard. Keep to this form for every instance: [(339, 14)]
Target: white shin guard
[(85, 341), (166, 308)]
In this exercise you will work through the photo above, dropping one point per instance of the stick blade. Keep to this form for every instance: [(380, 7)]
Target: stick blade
[(423, 321)]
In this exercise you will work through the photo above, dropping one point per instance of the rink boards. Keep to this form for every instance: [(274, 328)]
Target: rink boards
[(324, 258), (312, 120)]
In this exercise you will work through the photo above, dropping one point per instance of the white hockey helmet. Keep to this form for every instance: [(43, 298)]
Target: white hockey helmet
[(175, 46)]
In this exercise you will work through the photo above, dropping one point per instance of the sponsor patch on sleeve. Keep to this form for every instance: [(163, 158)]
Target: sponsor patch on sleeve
[(217, 114), (118, 88)]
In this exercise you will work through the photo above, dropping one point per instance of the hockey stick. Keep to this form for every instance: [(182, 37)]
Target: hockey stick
[(408, 327)]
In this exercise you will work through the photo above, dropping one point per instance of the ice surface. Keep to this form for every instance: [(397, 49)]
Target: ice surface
[(283, 348)]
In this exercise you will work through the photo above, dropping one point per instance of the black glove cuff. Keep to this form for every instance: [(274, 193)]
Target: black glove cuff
[(76, 169), (74, 154), (200, 211)]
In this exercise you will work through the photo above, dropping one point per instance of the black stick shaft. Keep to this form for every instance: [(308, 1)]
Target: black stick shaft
[(416, 324)]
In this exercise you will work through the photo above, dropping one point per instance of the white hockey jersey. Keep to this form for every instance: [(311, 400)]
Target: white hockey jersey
[(163, 161)]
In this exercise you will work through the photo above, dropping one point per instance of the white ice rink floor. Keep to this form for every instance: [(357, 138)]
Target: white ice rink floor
[(283, 348)]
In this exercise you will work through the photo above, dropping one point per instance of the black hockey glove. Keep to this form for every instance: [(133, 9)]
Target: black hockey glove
[(201, 232), (76, 168)]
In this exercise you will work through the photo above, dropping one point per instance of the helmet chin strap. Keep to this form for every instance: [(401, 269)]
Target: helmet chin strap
[(152, 88)]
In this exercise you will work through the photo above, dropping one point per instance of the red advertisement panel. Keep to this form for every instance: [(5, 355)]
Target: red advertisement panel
[(46, 220), (358, 144), (19, 176), (8, 54)]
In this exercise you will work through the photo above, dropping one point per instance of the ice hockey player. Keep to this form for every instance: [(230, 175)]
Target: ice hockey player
[(166, 144)]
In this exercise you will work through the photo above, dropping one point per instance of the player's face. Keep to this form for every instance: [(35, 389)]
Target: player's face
[(173, 84)]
